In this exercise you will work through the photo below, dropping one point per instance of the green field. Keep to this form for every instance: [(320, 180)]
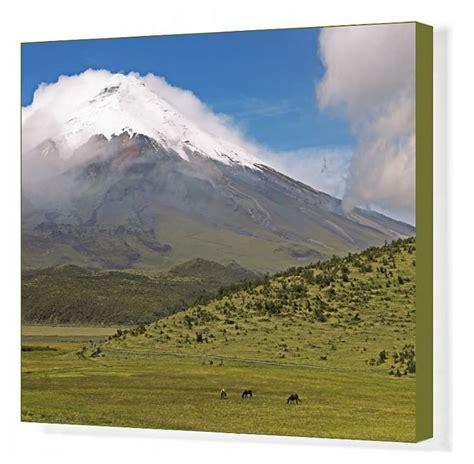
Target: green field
[(68, 335), (341, 334), (168, 392)]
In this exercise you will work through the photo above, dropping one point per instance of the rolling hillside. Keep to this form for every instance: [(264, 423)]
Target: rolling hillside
[(75, 295), (352, 313)]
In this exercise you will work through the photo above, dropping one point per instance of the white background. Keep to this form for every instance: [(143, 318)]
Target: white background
[(49, 20)]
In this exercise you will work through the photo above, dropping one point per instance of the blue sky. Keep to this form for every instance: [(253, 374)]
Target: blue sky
[(265, 80)]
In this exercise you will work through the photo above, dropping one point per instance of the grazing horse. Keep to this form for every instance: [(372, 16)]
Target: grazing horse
[(247, 394), (293, 399), (223, 394)]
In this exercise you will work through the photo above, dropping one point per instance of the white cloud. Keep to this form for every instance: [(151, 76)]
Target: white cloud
[(323, 169), (52, 103), (219, 125), (370, 78)]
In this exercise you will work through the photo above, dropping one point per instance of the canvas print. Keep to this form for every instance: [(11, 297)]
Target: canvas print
[(219, 232)]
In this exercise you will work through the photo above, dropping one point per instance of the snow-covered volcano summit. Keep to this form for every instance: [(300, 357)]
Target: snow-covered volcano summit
[(121, 103), (118, 172)]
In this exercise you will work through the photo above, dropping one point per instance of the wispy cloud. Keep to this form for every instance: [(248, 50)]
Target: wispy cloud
[(255, 108), (324, 169)]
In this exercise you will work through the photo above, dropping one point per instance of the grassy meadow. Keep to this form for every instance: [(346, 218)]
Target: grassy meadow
[(341, 334), (168, 392)]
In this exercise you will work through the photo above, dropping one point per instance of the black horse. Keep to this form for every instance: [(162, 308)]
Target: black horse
[(293, 399), (247, 394)]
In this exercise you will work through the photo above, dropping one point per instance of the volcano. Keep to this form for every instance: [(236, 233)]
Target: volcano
[(123, 180)]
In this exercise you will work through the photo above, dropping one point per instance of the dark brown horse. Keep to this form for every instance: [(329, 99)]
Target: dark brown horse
[(247, 394), (293, 399)]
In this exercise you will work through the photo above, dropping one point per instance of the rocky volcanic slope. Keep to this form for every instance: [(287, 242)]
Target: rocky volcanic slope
[(127, 181)]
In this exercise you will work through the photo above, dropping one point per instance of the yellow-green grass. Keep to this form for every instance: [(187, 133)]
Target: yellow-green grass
[(168, 392), (66, 331), (63, 337), (360, 316), (324, 343)]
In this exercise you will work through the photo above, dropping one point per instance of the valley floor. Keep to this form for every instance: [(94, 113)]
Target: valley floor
[(129, 389)]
